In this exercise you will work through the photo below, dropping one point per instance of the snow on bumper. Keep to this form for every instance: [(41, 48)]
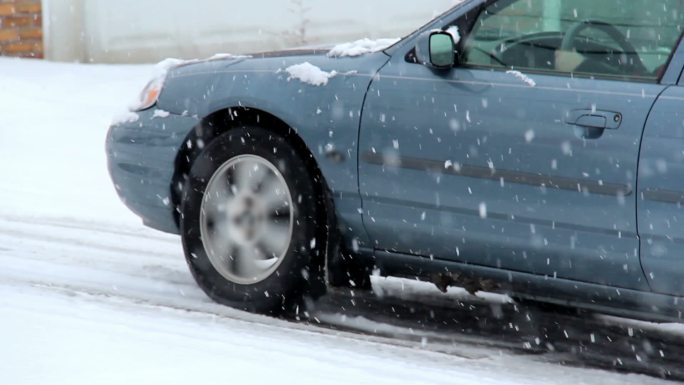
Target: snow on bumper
[(141, 155)]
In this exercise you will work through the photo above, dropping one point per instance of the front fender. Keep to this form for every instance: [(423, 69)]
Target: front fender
[(326, 118)]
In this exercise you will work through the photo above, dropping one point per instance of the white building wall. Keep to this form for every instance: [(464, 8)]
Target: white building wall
[(131, 31)]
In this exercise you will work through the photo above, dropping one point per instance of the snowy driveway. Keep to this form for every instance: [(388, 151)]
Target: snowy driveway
[(89, 296)]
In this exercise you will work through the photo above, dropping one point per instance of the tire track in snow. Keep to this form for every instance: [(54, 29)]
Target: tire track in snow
[(147, 269)]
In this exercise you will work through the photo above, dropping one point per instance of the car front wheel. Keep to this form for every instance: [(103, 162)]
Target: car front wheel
[(250, 223)]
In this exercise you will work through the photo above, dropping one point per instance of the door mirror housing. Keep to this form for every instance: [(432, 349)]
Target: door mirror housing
[(436, 49)]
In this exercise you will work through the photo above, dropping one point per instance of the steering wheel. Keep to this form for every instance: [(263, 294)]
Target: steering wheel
[(568, 43)]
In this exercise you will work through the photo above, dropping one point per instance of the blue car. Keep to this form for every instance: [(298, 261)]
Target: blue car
[(530, 147)]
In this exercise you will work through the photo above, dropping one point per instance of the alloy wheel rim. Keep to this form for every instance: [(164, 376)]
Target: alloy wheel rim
[(246, 219)]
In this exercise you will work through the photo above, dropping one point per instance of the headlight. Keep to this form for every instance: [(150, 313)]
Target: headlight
[(149, 95)]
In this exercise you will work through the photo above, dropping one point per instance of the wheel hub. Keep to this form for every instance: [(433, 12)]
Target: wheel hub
[(246, 219)]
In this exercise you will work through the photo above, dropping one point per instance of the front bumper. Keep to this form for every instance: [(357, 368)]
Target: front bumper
[(141, 158)]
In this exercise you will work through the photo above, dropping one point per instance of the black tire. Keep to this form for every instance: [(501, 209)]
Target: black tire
[(300, 274)]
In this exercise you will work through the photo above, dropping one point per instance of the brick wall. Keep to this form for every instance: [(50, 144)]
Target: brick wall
[(21, 28)]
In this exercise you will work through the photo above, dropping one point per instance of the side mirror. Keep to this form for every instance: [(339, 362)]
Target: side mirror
[(436, 49)]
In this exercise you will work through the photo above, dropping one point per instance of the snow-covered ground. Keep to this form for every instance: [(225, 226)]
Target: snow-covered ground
[(89, 296)]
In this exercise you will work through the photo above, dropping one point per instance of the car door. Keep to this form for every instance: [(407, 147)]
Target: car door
[(661, 189), (524, 156)]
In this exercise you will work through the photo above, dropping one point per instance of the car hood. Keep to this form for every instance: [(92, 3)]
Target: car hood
[(293, 52), (197, 87), (222, 61), (278, 60)]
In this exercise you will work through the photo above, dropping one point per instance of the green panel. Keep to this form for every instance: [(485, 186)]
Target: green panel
[(442, 50)]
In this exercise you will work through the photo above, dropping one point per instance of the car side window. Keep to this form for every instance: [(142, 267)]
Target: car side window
[(615, 39)]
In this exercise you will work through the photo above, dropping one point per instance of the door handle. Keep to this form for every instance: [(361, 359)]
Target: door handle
[(595, 119), (592, 121)]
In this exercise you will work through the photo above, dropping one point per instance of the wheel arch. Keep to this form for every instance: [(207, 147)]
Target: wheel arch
[(226, 119)]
